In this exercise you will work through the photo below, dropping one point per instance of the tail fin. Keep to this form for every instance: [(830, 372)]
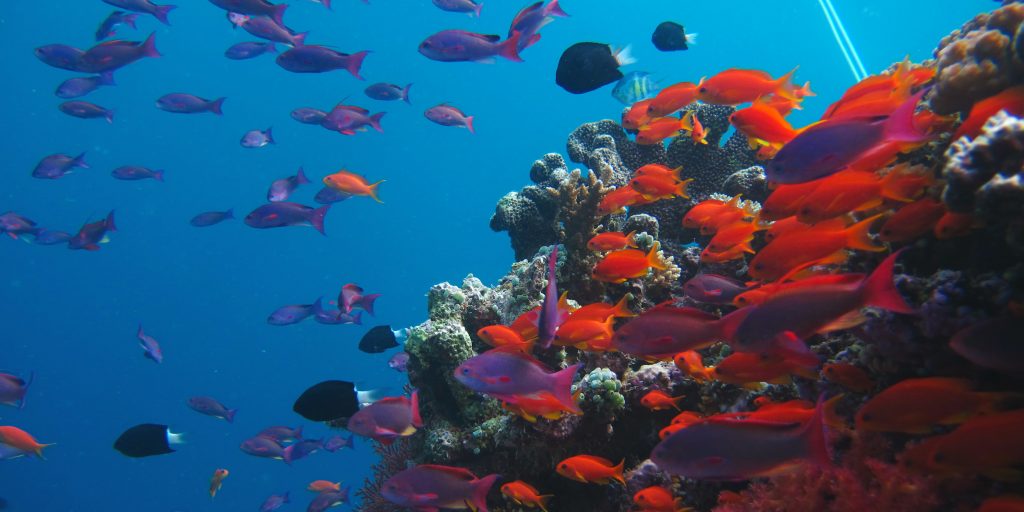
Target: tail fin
[(278, 14), (129, 19), (300, 177), (681, 188), (354, 62), (510, 47), (879, 291), (297, 433), (316, 218), (476, 9), (230, 416), (617, 472), (624, 57), (216, 106), (299, 39), (366, 302), (405, 94), (39, 451), (375, 121), (785, 87), (24, 397), (858, 236), (652, 258), (469, 124), (110, 226), (816, 436), (79, 161), (109, 116), (803, 92), (417, 420), (161, 13), (271, 48), (621, 309), (230, 214), (373, 191), (691, 38), (901, 185), (107, 78), (481, 487), (900, 127), (631, 239), (149, 46), (562, 388), (158, 175), (270, 136), (287, 454), (553, 9)]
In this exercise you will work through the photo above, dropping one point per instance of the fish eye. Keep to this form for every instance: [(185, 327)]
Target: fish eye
[(563, 466), (759, 266), (866, 417), (465, 371), (702, 89)]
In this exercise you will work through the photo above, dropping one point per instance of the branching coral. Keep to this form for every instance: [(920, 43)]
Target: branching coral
[(391, 460)]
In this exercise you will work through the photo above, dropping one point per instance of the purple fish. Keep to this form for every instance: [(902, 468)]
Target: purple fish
[(387, 419), (282, 434), (467, 6), (144, 6), (51, 237), (182, 103), (254, 8), (282, 188), (264, 447), (463, 46), (549, 319), (211, 407), (249, 50), (108, 27), (210, 218), (14, 225), (326, 500), (994, 343), (328, 195), (136, 172), (13, 389), (274, 502), (8, 452), (292, 314), (713, 288), (347, 119), (505, 374), (830, 146), (60, 56), (150, 347), (302, 449), (320, 59), (112, 55), (257, 138), (447, 115), (92, 234), (336, 443), (351, 297), (266, 28), (739, 450), (333, 317), (283, 214), (432, 487), (307, 115), (388, 92), (86, 110), (80, 86), (57, 165), (399, 362), (530, 20)]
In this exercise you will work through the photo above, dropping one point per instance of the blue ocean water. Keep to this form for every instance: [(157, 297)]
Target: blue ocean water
[(205, 293)]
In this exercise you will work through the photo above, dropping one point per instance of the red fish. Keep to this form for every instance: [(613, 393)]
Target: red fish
[(785, 200), (542, 405), (762, 293), (354, 184), (657, 400), (739, 234), (502, 336), (525, 494), (1011, 100), (915, 406), (659, 129), (672, 99), (816, 245), (653, 187), (742, 368), (18, 438), (658, 170), (617, 200), (735, 86), (763, 124), (954, 225), (690, 363), (1005, 503), (612, 241), (585, 333), (657, 499), (601, 311), (989, 445), (848, 376), (993, 344), (637, 115), (692, 124), (912, 221), (591, 469), (856, 191), (620, 266)]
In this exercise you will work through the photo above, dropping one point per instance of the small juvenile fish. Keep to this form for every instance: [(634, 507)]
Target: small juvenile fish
[(257, 138), (136, 172), (249, 50), (399, 362), (181, 103), (86, 110), (211, 407), (150, 347), (388, 92), (210, 218), (217, 481), (57, 165), (108, 27), (281, 189), (80, 86), (447, 115)]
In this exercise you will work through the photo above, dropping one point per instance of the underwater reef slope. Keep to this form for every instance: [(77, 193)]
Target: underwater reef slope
[(849, 342)]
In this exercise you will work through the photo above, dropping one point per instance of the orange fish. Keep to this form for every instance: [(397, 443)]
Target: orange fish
[(526, 323), (585, 333), (763, 125), (657, 499), (591, 469), (1011, 100), (784, 105), (816, 245), (954, 225), (734, 253), (735, 86), (874, 104), (728, 215), (912, 221), (692, 364), (785, 200), (856, 191), (351, 183), (654, 188), (659, 129), (671, 429), (617, 200), (793, 225), (704, 210), (217, 480), (848, 376), (1004, 503), (601, 311), (764, 292), (323, 486), (619, 266), (637, 115), (990, 445), (672, 99), (915, 406), (882, 85), (658, 170), (525, 494), (501, 336), (612, 241), (743, 368), (739, 234), (657, 400), (18, 438), (542, 405), (693, 125)]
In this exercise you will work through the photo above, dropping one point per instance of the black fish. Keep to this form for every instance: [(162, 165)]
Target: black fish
[(585, 67), (378, 340), (327, 401), (146, 440), (669, 36)]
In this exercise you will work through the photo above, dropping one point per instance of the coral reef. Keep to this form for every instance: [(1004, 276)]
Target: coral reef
[(599, 393)]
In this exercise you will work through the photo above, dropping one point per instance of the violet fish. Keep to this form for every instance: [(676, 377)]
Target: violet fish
[(137, 172), (464, 6), (447, 115), (108, 27), (302, 449), (548, 322), (257, 138), (92, 234), (86, 110), (80, 86), (116, 54), (14, 225), (713, 288), (50, 237), (336, 443), (61, 56), (307, 115), (211, 407), (181, 103), (264, 447), (289, 315), (463, 46), (254, 8), (249, 50), (210, 218), (433, 487), (388, 419), (143, 6), (266, 28), (399, 362), (352, 297), (328, 195), (320, 59), (274, 502), (388, 92), (329, 499), (507, 373), (13, 389), (283, 214), (150, 347), (54, 166), (281, 189), (347, 119), (531, 19), (282, 434), (665, 330)]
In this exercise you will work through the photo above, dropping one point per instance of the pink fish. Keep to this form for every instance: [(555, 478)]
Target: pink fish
[(13, 389), (447, 115), (463, 46), (92, 234), (431, 487), (665, 330), (506, 373), (388, 419), (150, 347), (713, 289), (351, 297), (116, 54), (549, 320)]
